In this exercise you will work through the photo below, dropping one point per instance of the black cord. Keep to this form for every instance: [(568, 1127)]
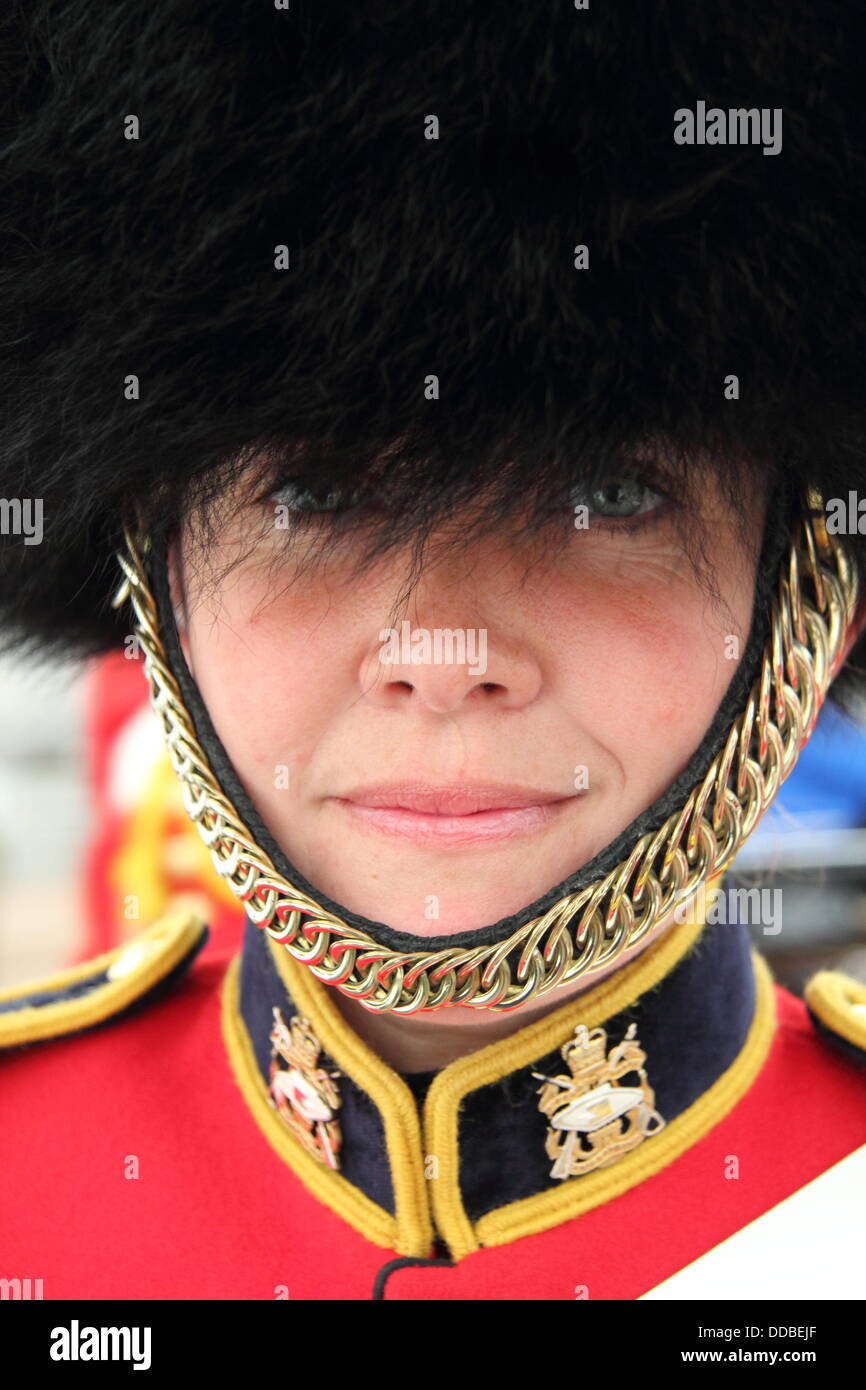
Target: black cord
[(405, 1262)]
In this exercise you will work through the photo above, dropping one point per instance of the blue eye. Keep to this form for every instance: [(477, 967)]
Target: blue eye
[(313, 499), (618, 497)]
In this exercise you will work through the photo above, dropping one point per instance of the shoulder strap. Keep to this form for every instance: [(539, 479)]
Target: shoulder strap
[(837, 1007), (89, 994)]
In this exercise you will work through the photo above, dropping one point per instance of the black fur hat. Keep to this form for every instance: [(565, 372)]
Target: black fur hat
[(347, 239)]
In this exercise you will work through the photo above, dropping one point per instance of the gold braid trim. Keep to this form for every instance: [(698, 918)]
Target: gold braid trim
[(813, 607)]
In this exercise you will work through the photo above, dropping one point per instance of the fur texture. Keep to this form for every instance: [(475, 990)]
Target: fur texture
[(412, 257)]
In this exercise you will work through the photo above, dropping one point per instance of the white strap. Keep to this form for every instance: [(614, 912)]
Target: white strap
[(812, 1245)]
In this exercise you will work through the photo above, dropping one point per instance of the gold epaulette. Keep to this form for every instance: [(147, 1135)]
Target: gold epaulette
[(88, 994), (837, 1005)]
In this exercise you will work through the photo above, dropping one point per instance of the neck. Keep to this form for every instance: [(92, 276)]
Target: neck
[(426, 1042)]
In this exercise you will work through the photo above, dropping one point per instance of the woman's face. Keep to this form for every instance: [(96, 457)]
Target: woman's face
[(439, 796)]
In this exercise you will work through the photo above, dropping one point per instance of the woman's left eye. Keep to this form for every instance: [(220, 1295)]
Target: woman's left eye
[(619, 497)]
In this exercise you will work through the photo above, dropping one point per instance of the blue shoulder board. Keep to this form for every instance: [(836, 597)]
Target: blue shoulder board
[(90, 994), (837, 1007)]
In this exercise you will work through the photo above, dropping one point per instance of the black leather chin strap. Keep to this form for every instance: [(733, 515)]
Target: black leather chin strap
[(780, 514)]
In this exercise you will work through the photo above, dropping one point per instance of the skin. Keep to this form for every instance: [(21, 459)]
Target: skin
[(604, 653)]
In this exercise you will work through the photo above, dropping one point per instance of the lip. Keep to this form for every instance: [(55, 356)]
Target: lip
[(451, 815)]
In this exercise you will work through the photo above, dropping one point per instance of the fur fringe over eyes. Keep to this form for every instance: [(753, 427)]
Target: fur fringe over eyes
[(471, 242)]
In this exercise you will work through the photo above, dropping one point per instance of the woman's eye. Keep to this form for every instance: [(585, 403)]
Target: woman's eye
[(618, 497), (312, 499)]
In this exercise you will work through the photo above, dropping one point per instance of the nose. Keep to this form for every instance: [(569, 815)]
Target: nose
[(468, 645), (449, 667)]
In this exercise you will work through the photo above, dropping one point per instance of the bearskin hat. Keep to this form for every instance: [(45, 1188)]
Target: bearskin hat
[(437, 250)]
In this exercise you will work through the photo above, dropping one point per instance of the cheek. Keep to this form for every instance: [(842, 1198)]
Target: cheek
[(680, 668), (648, 666), (268, 671)]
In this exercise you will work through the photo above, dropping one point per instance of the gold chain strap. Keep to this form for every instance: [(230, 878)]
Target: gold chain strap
[(585, 929)]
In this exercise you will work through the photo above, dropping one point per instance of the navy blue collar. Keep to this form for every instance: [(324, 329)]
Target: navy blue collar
[(537, 1113)]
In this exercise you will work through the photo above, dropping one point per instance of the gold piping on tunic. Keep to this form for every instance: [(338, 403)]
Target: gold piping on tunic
[(427, 1199)]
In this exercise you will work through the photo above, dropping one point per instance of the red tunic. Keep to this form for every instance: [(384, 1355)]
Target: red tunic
[(133, 1167)]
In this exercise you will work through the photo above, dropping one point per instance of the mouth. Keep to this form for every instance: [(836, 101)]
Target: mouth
[(453, 815)]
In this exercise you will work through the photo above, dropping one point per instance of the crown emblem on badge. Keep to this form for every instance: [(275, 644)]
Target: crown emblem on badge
[(593, 1117), (303, 1093)]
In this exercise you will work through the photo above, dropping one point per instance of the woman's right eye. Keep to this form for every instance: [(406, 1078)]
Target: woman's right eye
[(312, 499)]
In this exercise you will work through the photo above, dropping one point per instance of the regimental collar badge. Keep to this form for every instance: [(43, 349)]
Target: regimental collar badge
[(594, 1118), (302, 1092)]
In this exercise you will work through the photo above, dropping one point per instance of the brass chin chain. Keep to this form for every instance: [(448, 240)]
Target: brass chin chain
[(817, 593)]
